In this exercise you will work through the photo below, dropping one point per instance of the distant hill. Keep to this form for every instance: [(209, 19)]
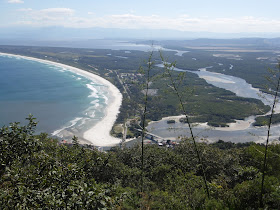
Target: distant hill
[(10, 35), (254, 43)]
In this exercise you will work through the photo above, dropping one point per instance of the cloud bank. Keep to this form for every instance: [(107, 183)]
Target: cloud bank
[(68, 18), (15, 1)]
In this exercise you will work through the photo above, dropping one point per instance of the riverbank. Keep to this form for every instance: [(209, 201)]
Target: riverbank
[(99, 134), (238, 131), (236, 126)]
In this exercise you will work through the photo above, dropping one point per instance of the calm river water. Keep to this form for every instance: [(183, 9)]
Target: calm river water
[(236, 85)]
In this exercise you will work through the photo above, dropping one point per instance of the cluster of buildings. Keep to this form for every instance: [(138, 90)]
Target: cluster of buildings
[(130, 76)]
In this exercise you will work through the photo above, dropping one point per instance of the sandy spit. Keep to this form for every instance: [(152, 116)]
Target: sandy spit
[(237, 125)]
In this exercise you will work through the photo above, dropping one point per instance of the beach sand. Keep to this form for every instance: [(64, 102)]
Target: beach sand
[(236, 126), (99, 134)]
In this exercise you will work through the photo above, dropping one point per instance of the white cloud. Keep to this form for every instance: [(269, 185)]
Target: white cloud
[(65, 11), (50, 16), (67, 17), (15, 1)]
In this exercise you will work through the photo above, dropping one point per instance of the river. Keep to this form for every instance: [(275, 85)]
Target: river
[(241, 131)]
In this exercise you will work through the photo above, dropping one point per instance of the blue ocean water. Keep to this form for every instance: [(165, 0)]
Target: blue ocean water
[(63, 102)]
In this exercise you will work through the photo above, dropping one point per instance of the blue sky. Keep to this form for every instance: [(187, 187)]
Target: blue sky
[(232, 16)]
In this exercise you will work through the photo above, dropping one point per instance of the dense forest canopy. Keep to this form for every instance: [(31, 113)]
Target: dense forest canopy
[(38, 172)]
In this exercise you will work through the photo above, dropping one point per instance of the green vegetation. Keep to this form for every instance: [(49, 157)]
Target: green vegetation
[(263, 120), (37, 172), (170, 121), (275, 82), (250, 57), (206, 103), (175, 84)]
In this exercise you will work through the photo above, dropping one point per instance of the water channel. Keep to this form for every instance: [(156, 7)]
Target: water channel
[(241, 131)]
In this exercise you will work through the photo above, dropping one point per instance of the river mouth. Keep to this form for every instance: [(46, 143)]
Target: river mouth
[(240, 131)]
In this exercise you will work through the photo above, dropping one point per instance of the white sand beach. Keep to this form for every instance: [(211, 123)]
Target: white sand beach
[(99, 134)]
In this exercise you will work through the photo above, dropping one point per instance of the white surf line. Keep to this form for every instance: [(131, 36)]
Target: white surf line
[(99, 134)]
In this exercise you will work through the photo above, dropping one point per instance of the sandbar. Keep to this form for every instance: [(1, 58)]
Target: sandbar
[(99, 134)]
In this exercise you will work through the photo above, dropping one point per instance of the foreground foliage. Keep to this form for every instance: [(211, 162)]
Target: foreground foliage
[(37, 172)]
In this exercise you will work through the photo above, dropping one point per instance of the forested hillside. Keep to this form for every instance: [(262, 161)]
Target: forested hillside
[(38, 172)]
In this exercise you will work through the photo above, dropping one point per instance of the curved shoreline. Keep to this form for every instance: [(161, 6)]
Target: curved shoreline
[(99, 134)]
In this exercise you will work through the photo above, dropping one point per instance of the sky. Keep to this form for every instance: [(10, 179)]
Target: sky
[(219, 16)]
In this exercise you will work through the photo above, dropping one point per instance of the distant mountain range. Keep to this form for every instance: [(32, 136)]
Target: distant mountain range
[(84, 37), (62, 33)]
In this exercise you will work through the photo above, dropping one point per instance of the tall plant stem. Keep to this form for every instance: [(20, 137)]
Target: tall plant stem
[(267, 140), (179, 96), (144, 119)]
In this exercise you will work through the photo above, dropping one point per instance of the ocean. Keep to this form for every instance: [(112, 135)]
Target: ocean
[(64, 103)]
